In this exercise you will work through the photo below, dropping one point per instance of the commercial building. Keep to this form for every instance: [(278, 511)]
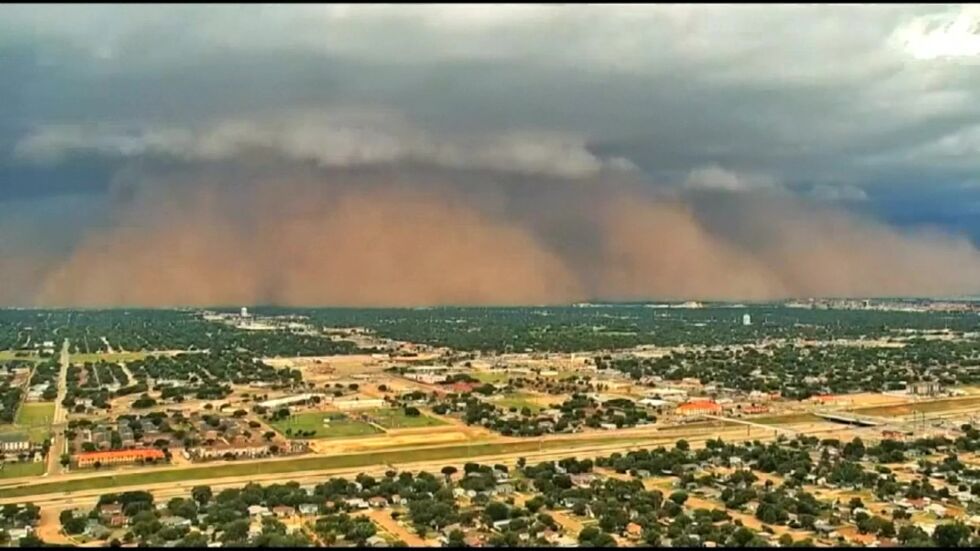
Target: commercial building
[(223, 450), (119, 457), (699, 407), (668, 393)]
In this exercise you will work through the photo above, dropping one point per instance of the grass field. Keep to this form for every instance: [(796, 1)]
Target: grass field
[(518, 400), (18, 432), (33, 420), (35, 414), (308, 464), (340, 426), (12, 355), (13, 470), (107, 357), (395, 418), (491, 376)]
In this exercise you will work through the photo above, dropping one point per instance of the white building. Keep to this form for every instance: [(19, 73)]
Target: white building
[(349, 404), (746, 319), (15, 446), (654, 402), (287, 400)]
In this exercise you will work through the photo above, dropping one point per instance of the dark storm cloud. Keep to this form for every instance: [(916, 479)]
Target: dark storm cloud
[(872, 109)]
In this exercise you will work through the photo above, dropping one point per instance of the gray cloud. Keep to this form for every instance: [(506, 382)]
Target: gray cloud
[(344, 138), (869, 108)]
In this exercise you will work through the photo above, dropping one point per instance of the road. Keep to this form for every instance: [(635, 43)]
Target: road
[(167, 490), (625, 437), (60, 416), (774, 428)]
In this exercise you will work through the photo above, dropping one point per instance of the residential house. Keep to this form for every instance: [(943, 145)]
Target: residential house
[(258, 511), (309, 509), (283, 511), (175, 522)]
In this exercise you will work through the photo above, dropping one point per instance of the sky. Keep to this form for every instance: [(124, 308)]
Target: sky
[(457, 154)]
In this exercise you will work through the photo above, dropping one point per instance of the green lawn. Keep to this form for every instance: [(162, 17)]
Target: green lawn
[(33, 420), (114, 357), (349, 461), (490, 376), (395, 418), (14, 470), (35, 414), (340, 426)]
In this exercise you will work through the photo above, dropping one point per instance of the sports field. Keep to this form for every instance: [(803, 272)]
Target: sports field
[(323, 425)]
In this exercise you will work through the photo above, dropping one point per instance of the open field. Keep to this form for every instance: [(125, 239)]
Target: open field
[(339, 426), (395, 418), (931, 406), (785, 419), (17, 432), (432, 437), (519, 400), (35, 414), (493, 377), (113, 356), (14, 470)]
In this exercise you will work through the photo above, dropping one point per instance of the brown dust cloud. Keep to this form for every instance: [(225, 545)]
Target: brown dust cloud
[(414, 238)]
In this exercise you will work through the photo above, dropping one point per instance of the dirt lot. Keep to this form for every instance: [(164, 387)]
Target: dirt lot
[(433, 436), (49, 527), (966, 404), (382, 517)]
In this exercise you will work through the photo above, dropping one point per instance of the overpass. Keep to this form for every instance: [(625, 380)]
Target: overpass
[(849, 418)]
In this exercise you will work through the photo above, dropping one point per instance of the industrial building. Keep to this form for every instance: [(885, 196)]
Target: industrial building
[(289, 400)]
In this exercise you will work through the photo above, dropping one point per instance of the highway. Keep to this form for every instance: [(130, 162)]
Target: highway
[(61, 500), (774, 428)]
